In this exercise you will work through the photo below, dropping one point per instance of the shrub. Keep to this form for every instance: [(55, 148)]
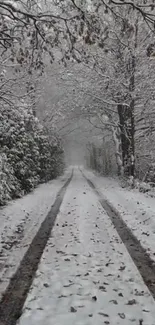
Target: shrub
[(28, 155)]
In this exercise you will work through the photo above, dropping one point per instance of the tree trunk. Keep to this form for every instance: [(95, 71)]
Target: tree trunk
[(132, 120), (118, 152), (126, 120)]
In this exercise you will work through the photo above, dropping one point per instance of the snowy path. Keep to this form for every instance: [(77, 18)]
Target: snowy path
[(19, 222), (136, 209), (86, 275)]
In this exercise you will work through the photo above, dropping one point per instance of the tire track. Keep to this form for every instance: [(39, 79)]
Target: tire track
[(141, 258), (15, 295)]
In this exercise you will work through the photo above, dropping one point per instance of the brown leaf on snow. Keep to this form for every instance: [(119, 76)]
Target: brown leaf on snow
[(145, 233), (103, 314), (139, 293), (122, 268), (73, 310), (114, 302), (121, 315), (146, 311), (94, 298), (60, 252), (107, 264), (46, 285), (131, 302), (102, 288)]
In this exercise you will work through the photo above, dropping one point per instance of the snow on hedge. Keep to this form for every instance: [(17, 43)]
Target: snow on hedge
[(27, 155)]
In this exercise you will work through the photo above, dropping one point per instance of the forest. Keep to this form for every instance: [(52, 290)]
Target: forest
[(76, 80)]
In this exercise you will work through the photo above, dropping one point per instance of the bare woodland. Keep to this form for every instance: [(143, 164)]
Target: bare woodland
[(77, 75)]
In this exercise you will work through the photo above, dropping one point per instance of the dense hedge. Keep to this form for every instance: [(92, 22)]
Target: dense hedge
[(27, 155)]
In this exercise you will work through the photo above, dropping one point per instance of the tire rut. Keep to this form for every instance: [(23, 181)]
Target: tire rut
[(16, 293), (141, 258)]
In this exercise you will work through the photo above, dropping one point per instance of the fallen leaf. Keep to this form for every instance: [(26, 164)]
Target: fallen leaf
[(145, 233), (103, 314), (121, 315), (73, 310), (114, 302), (60, 252), (102, 288), (131, 302), (94, 298), (46, 285), (146, 311)]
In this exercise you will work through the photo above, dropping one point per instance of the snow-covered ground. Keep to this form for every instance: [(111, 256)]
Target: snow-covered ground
[(86, 275), (19, 222), (137, 209)]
